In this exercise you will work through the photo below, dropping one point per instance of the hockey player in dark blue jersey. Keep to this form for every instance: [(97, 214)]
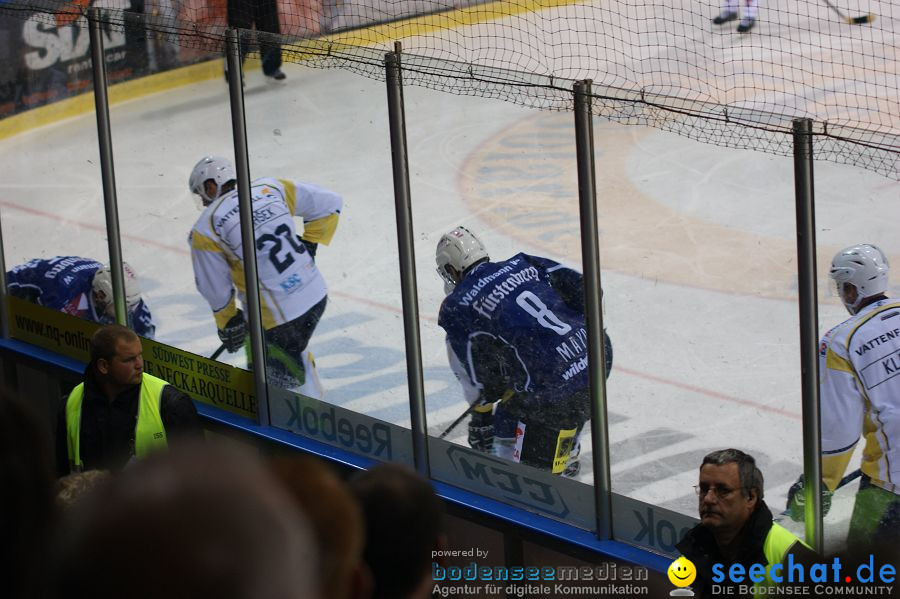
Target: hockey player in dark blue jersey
[(517, 342), (81, 287)]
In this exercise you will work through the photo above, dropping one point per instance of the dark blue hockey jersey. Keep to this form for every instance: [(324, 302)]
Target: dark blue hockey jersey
[(518, 324), (64, 283)]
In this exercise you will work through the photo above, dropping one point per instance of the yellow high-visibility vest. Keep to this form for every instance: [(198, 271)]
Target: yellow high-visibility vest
[(778, 541), (149, 433)]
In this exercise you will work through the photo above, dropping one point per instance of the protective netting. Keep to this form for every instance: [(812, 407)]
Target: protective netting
[(661, 63)]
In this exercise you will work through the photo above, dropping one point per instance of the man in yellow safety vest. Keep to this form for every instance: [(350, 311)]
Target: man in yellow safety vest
[(736, 528), (119, 412)]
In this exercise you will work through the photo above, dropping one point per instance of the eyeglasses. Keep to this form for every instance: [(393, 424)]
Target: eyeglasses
[(721, 492)]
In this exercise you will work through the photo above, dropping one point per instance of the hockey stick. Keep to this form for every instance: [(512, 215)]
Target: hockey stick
[(218, 352), (849, 478), (509, 393), (851, 20), (456, 422)]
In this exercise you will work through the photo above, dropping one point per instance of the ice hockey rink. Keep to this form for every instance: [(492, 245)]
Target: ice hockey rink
[(697, 247)]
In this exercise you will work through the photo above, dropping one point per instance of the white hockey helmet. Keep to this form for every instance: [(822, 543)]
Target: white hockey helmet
[(102, 290), (865, 267), (457, 251), (215, 168)]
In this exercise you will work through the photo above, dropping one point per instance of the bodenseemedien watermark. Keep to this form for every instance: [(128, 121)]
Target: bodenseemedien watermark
[(604, 572), (605, 579), (542, 590)]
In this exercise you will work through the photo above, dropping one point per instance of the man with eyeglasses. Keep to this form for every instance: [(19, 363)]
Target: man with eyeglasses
[(736, 527)]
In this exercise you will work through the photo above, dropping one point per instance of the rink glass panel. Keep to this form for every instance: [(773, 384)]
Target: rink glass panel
[(329, 128), (852, 207), (157, 138), (702, 274), (706, 251), (52, 198), (508, 174)]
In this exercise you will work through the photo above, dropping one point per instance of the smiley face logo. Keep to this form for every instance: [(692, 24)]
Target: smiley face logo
[(682, 572)]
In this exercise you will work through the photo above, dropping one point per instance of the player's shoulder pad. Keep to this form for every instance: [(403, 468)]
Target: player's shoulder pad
[(545, 263)]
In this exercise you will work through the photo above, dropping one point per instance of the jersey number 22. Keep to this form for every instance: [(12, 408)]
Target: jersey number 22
[(282, 233)]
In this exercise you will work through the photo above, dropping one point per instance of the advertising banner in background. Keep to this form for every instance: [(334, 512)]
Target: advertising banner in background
[(339, 427), (45, 56), (207, 381), (634, 522), (45, 44)]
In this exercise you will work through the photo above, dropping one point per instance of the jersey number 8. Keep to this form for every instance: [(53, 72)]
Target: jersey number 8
[(532, 304)]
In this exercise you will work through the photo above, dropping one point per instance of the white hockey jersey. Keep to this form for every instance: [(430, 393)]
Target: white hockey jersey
[(859, 364), (289, 282)]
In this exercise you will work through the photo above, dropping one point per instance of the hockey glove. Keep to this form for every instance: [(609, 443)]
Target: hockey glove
[(29, 294), (310, 246), (234, 333), (481, 431), (796, 500)]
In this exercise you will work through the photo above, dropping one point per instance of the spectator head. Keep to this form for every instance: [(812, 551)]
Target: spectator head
[(26, 497), (116, 355), (404, 521), (336, 520), (73, 488), (730, 489), (196, 521)]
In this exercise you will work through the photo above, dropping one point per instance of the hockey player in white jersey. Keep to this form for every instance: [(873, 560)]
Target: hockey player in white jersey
[(859, 361), (292, 291)]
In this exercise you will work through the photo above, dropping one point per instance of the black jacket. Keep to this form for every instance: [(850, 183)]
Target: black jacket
[(107, 429), (699, 546)]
